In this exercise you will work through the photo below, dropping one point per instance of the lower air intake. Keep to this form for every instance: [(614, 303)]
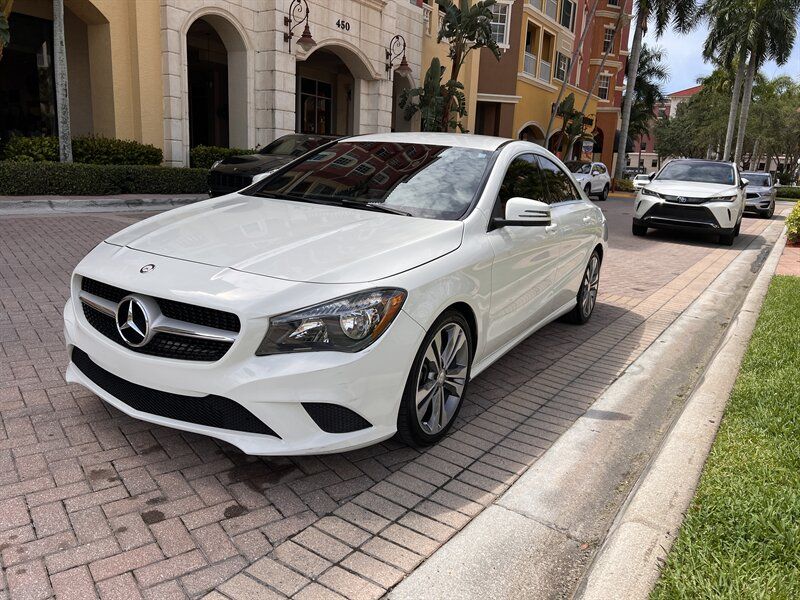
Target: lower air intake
[(332, 418)]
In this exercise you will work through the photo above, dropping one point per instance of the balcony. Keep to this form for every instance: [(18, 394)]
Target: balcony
[(544, 71), (529, 65), (426, 18)]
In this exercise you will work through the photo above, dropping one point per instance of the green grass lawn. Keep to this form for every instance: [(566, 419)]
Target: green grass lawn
[(741, 535)]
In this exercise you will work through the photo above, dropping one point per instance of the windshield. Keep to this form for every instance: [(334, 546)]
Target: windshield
[(705, 172), (437, 182), (294, 145), (758, 179), (579, 167)]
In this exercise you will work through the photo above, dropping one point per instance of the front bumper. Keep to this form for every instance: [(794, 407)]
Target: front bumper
[(757, 205), (718, 217), (278, 390)]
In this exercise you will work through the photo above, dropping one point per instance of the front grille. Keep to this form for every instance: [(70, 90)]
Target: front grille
[(752, 195), (210, 411), (228, 182), (164, 345), (685, 199), (332, 418), (689, 216)]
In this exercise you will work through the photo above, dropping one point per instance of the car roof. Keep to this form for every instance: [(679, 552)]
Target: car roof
[(459, 140), (701, 161), (755, 173)]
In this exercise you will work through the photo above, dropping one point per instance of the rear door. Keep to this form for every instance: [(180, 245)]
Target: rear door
[(525, 259), (576, 220)]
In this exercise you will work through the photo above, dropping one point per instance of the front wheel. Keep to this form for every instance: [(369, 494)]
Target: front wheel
[(437, 382), (639, 230), (587, 294), (726, 239), (767, 214)]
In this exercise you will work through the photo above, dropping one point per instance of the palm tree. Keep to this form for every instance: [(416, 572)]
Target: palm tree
[(62, 89), (652, 74), (572, 62), (769, 31), (681, 14)]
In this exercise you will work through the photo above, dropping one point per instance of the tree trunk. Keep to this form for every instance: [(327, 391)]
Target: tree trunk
[(455, 71), (572, 62), (754, 156), (746, 98), (62, 91), (627, 105), (590, 91), (734, 110)]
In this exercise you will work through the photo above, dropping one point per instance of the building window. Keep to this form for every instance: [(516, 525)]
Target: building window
[(603, 85), (608, 39), (654, 163), (551, 8), (501, 22), (643, 146), (613, 2), (568, 14), (562, 66), (315, 106)]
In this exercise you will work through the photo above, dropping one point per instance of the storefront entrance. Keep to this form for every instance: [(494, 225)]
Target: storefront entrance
[(325, 95)]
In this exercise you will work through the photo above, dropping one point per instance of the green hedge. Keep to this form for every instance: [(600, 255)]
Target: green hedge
[(624, 185), (792, 193), (86, 149), (61, 179), (202, 157), (793, 224)]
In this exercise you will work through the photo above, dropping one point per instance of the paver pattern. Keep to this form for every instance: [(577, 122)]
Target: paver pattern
[(96, 504)]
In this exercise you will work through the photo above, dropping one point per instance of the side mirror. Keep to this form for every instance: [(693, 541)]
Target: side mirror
[(651, 175), (744, 183), (524, 212)]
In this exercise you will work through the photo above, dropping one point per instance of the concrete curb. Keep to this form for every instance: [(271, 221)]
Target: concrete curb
[(37, 206), (629, 562), (538, 539)]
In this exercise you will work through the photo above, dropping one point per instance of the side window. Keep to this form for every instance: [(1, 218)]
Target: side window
[(524, 179), (559, 185)]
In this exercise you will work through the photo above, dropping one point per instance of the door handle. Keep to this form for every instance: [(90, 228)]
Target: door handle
[(551, 228)]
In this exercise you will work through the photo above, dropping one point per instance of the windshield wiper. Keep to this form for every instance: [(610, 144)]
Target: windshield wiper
[(376, 206)]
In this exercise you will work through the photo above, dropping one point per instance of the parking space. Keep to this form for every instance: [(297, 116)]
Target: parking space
[(93, 502)]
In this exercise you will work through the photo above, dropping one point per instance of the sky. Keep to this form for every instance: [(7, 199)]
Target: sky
[(685, 60)]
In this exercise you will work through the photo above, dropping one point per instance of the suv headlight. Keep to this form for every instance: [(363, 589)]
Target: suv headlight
[(216, 163), (649, 192), (346, 324), (723, 198)]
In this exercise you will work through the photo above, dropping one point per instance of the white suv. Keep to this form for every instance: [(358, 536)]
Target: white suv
[(592, 178), (699, 195)]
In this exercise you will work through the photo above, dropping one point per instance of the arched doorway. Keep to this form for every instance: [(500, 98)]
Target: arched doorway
[(216, 61), (325, 95), (532, 133)]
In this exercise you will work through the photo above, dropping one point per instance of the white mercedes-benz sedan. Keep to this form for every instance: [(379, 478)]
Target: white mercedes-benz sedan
[(693, 195), (345, 298)]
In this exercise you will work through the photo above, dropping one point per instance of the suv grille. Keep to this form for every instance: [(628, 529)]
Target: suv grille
[(211, 411), (164, 345), (678, 214)]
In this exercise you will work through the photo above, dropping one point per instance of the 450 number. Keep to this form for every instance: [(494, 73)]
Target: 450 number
[(343, 25)]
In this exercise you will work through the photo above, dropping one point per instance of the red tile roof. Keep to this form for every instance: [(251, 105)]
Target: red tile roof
[(687, 92)]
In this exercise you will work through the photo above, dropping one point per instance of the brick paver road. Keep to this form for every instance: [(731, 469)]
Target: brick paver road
[(95, 503)]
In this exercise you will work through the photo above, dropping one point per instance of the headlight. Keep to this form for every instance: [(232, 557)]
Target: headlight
[(216, 164), (722, 198), (648, 192), (346, 324)]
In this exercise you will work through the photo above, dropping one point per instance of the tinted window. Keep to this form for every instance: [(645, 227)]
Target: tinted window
[(579, 167), (524, 180), (559, 185), (758, 179), (438, 182), (706, 172), (600, 167), (294, 145)]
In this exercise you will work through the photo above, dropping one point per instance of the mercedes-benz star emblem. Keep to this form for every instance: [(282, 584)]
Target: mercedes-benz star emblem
[(133, 321), (147, 268)]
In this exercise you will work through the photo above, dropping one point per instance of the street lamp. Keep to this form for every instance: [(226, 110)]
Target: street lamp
[(396, 49), (298, 14)]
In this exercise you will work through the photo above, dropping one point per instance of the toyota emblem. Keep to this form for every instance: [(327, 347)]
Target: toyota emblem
[(133, 321), (681, 199), (147, 268)]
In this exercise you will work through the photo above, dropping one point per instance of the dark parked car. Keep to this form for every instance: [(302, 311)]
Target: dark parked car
[(237, 172)]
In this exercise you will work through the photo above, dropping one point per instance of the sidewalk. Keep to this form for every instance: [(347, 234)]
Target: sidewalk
[(20, 205)]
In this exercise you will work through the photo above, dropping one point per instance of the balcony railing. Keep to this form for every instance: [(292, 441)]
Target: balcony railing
[(530, 64), (544, 71), (426, 18)]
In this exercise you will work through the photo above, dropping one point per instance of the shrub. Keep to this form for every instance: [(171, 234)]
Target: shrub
[(624, 185), (86, 149), (793, 193), (62, 179), (202, 157), (793, 224)]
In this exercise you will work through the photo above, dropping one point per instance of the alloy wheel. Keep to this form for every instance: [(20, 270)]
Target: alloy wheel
[(442, 378), (590, 285)]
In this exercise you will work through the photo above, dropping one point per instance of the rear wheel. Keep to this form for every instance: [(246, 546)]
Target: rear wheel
[(588, 190), (437, 382), (604, 195), (587, 294), (639, 230)]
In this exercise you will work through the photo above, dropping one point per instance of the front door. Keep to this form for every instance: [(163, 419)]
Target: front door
[(525, 260), (316, 106)]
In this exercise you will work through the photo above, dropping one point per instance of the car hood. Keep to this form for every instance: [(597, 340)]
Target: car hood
[(251, 164), (758, 189), (293, 240), (691, 189)]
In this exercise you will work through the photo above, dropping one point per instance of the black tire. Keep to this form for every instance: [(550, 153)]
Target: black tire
[(727, 239), (639, 230), (588, 191), (604, 195), (409, 428), (737, 229), (767, 214), (590, 285)]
